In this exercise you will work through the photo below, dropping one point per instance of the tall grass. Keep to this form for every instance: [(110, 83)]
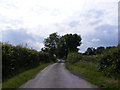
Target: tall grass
[(89, 71), (102, 70), (73, 57)]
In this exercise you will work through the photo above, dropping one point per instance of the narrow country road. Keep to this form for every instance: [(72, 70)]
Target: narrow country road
[(57, 76)]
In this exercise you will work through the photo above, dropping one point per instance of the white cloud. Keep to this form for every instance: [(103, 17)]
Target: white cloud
[(95, 40), (42, 17)]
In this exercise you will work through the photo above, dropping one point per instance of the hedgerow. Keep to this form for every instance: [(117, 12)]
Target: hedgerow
[(16, 59), (110, 62), (74, 57)]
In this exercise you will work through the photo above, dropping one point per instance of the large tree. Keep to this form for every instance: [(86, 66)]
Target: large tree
[(90, 51), (60, 46), (100, 50), (72, 41), (51, 43), (68, 43)]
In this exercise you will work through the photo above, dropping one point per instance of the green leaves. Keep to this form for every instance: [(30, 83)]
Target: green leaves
[(72, 41), (16, 59), (60, 46), (110, 62), (74, 57)]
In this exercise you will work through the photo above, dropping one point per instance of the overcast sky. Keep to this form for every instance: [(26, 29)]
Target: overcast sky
[(30, 21)]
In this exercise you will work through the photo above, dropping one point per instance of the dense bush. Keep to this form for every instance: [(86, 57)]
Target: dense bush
[(74, 57), (110, 62), (16, 59), (89, 58)]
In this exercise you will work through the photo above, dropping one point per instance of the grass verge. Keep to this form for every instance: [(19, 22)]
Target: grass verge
[(21, 78), (89, 71)]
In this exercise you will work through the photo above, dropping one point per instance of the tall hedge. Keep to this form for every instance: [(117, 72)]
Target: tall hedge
[(74, 57), (110, 62), (16, 59)]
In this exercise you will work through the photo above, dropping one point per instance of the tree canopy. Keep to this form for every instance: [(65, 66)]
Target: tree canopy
[(60, 46)]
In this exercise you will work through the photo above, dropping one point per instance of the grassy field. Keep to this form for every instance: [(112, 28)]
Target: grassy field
[(89, 71), (21, 78)]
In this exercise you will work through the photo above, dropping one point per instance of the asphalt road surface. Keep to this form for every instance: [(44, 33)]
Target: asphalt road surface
[(57, 76)]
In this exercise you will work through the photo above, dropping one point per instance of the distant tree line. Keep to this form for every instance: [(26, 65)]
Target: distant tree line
[(107, 59), (97, 51), (60, 46)]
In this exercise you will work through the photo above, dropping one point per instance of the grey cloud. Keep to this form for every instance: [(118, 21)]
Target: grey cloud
[(16, 36), (108, 38), (107, 27), (119, 34), (94, 13), (74, 23), (107, 34), (95, 22), (20, 37), (9, 23)]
